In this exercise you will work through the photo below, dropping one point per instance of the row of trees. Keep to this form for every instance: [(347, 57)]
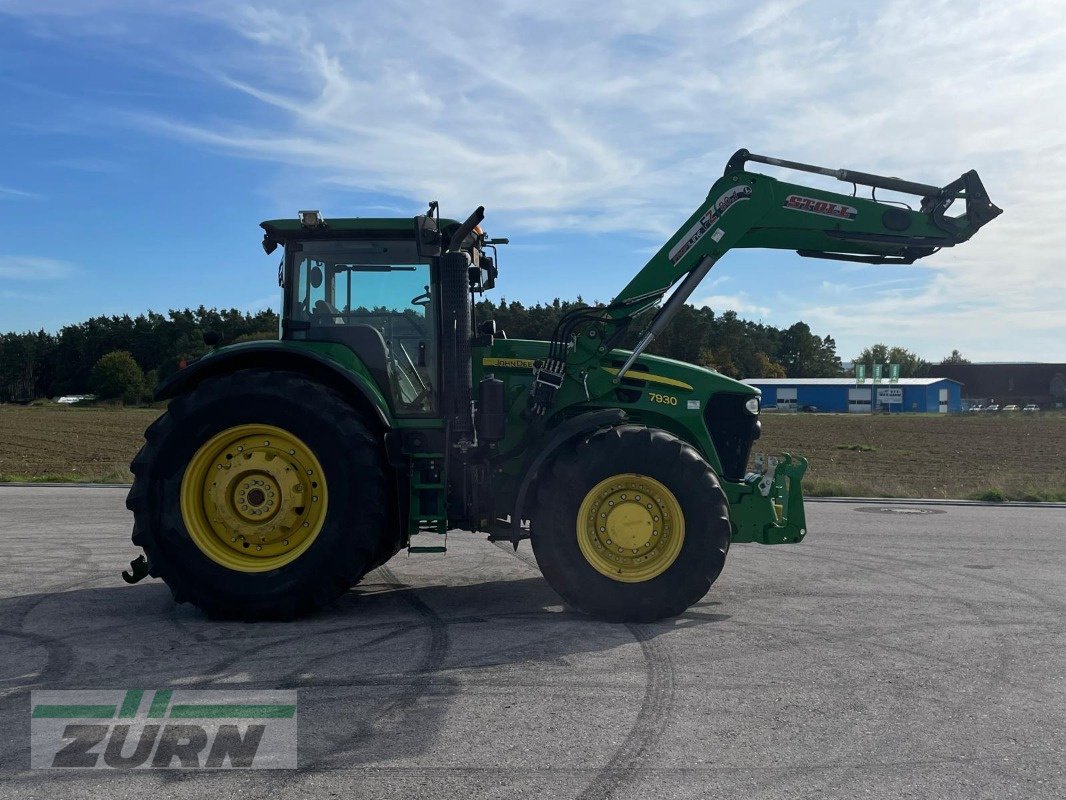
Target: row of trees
[(911, 365), (153, 345), (43, 364), (734, 346)]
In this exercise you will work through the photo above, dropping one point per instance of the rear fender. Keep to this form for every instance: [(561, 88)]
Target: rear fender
[(282, 356)]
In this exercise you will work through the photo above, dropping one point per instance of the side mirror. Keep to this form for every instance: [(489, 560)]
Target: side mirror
[(316, 277), (427, 235), (488, 265), (483, 276)]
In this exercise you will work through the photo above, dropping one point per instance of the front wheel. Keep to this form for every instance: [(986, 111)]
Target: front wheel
[(630, 524)]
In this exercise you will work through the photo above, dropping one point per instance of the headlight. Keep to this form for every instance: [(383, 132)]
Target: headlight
[(752, 405)]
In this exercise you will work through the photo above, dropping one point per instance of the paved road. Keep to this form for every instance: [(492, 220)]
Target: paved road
[(891, 655)]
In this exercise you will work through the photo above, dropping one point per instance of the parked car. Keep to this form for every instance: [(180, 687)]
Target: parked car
[(1011, 407), (1031, 407), (992, 408), (976, 408)]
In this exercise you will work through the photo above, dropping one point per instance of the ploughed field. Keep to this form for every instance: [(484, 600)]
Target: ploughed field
[(66, 443), (1003, 456)]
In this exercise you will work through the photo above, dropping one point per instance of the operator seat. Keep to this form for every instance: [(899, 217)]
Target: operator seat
[(366, 342)]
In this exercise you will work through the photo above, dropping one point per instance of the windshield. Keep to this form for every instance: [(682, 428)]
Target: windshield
[(374, 297)]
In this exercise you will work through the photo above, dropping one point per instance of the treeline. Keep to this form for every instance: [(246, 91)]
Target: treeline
[(47, 365), (43, 364), (733, 346)]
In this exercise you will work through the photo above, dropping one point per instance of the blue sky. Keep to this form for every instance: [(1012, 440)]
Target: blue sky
[(142, 143)]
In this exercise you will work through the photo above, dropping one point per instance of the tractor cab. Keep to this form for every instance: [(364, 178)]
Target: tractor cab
[(375, 286), (365, 284), (376, 298)]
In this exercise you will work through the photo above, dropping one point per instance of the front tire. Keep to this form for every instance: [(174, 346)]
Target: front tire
[(261, 495), (630, 524)]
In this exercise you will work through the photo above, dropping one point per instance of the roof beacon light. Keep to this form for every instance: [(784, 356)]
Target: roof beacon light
[(311, 219)]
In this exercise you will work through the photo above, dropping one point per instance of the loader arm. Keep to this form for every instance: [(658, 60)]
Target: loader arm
[(749, 209)]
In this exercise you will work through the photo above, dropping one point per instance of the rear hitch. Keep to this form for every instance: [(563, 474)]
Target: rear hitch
[(139, 569)]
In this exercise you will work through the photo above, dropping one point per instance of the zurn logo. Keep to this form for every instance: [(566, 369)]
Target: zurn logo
[(163, 729)]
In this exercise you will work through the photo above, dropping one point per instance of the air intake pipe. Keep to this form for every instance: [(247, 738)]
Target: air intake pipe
[(456, 319)]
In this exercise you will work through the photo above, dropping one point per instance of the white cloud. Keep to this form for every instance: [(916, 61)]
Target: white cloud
[(617, 118), (32, 268), (8, 193)]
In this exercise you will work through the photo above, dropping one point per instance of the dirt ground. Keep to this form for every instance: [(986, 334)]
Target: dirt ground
[(1005, 456), (66, 443), (974, 456)]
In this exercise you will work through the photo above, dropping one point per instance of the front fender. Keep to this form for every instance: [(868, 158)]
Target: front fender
[(559, 436), (318, 363)]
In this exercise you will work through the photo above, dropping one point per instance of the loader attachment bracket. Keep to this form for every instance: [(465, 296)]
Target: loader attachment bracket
[(980, 210)]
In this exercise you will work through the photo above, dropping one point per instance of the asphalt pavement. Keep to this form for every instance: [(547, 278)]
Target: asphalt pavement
[(901, 651)]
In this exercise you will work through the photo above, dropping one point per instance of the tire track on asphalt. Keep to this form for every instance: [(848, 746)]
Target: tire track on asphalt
[(59, 658), (656, 706), (1043, 599), (433, 656), (876, 563)]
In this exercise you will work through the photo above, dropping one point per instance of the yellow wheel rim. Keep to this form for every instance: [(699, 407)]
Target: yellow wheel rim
[(630, 527), (253, 498)]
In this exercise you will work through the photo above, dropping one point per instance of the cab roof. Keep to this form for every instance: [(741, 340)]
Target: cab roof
[(285, 229)]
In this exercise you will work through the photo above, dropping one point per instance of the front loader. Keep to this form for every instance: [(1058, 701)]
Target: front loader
[(385, 415)]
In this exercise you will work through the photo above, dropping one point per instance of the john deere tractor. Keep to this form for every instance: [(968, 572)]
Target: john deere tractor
[(385, 415)]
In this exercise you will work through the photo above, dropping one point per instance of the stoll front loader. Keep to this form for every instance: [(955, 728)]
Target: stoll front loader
[(385, 415)]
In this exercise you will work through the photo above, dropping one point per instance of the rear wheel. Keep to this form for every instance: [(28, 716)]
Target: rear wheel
[(261, 495), (630, 524)]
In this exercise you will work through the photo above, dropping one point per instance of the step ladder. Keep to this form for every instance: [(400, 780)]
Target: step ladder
[(428, 517)]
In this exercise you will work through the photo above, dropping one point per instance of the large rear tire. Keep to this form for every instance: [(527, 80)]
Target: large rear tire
[(630, 524), (261, 495)]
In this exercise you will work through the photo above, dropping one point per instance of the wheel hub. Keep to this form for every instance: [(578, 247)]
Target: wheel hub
[(253, 497), (630, 527)]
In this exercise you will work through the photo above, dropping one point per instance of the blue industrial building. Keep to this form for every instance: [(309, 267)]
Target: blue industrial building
[(922, 395)]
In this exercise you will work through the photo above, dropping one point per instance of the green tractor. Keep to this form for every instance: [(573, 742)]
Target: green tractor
[(385, 415)]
